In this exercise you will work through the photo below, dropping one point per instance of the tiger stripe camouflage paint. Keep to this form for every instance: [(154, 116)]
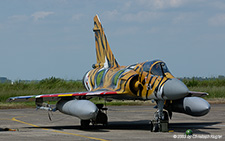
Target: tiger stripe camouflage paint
[(134, 80), (103, 51), (141, 81), (123, 79)]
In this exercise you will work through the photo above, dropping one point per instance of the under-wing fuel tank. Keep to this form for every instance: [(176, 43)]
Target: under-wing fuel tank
[(194, 106), (83, 109)]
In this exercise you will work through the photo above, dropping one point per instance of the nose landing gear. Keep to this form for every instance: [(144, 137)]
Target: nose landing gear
[(161, 120)]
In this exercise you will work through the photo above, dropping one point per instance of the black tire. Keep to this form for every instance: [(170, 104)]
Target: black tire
[(102, 118), (84, 124), (151, 126), (166, 117)]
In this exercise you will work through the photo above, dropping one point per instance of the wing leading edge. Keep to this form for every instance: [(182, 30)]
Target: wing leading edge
[(197, 94), (61, 95)]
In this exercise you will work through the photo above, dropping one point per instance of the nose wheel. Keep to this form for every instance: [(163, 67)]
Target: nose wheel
[(161, 119)]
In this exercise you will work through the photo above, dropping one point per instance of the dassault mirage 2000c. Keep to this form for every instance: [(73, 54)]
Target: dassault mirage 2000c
[(150, 80)]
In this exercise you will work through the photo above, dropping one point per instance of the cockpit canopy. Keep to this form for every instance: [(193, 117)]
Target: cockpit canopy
[(155, 67)]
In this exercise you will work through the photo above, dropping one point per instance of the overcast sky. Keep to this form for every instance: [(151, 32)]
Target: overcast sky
[(44, 38)]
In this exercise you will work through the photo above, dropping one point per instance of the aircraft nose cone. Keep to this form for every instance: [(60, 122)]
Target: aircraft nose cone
[(174, 89)]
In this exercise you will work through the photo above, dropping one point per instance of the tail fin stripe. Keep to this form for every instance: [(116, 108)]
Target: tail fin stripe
[(104, 55)]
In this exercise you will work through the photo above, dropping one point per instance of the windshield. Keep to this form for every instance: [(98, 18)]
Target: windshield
[(159, 69), (164, 67), (156, 70)]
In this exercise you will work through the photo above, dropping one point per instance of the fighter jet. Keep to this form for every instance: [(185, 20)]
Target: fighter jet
[(149, 80)]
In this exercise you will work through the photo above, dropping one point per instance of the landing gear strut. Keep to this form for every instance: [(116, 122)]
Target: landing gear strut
[(101, 118), (161, 120)]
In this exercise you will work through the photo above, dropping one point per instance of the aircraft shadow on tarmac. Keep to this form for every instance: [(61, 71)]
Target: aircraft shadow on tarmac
[(139, 125), (120, 125), (194, 126)]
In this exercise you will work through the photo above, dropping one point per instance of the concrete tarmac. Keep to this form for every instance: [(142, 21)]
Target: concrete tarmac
[(125, 123)]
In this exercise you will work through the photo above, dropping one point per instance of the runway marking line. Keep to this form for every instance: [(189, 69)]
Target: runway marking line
[(67, 133)]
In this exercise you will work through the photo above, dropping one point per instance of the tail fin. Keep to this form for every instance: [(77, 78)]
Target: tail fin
[(105, 57)]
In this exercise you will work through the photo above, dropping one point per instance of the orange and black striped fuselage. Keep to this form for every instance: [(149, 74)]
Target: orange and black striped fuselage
[(140, 81)]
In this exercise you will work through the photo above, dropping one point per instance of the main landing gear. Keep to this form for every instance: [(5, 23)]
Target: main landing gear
[(101, 118), (161, 120)]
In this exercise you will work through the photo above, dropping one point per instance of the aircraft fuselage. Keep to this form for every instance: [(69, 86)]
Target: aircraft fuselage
[(139, 81)]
